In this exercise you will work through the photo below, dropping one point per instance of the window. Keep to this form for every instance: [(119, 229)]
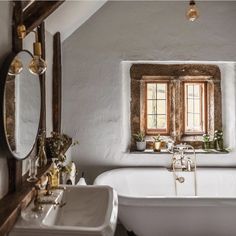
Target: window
[(178, 101), (156, 108), (195, 108)]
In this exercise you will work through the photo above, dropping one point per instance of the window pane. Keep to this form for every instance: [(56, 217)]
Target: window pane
[(151, 107), (190, 91), (161, 121), (151, 122), (190, 106), (190, 121), (197, 121), (194, 110), (196, 91), (197, 106), (161, 91), (156, 107), (161, 107), (151, 91)]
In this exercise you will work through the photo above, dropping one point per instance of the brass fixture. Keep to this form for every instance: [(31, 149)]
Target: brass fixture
[(37, 66), (16, 67), (49, 185), (192, 12), (21, 31), (38, 202)]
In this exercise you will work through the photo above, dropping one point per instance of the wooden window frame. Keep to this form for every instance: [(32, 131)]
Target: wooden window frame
[(203, 109), (175, 75), (157, 131)]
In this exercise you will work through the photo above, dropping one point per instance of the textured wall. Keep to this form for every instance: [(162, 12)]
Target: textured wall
[(93, 89)]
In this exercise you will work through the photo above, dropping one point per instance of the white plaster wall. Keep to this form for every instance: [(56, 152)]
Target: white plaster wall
[(5, 48), (95, 84)]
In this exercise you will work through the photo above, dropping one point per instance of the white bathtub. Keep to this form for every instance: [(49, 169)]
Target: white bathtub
[(148, 204)]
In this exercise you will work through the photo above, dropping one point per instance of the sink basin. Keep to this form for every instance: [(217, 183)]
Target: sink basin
[(89, 210)]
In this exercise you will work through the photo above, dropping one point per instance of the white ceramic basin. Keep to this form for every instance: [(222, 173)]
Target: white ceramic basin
[(89, 210)]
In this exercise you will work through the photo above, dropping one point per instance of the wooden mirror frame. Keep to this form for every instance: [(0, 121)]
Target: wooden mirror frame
[(6, 149)]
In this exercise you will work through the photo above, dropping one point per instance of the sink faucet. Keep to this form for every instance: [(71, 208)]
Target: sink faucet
[(49, 187), (38, 202), (183, 160)]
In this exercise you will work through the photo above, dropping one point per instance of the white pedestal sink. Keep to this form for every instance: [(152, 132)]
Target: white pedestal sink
[(89, 210)]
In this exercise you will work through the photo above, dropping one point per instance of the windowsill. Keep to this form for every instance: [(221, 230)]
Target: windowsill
[(165, 151)]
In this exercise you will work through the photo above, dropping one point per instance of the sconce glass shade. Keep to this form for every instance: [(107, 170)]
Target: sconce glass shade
[(37, 66), (16, 67), (192, 13)]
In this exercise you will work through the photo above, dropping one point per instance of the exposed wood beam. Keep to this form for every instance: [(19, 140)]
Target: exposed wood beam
[(37, 12), (57, 77), (16, 20), (41, 35)]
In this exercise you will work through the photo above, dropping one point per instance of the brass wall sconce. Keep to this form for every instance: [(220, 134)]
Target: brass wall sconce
[(37, 66), (192, 13)]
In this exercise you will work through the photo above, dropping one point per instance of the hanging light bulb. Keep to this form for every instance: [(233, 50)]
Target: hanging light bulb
[(16, 67), (37, 66), (21, 31), (192, 12)]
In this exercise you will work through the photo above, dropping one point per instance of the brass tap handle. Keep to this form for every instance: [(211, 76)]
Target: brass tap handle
[(37, 206), (48, 185)]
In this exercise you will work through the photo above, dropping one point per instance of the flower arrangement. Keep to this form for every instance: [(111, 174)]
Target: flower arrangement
[(58, 144)]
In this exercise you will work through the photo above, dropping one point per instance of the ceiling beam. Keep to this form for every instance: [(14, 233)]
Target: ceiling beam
[(37, 12)]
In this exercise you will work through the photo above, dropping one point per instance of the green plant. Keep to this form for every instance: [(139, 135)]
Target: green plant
[(139, 136), (157, 138), (206, 137)]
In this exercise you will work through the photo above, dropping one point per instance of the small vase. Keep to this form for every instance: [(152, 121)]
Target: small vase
[(157, 146), (32, 170), (141, 146), (206, 145), (219, 144)]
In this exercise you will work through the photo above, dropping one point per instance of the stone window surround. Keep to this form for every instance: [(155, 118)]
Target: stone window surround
[(175, 75)]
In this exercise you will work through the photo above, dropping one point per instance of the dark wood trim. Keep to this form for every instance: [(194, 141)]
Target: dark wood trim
[(37, 12), (57, 80), (16, 20), (41, 36), (15, 166)]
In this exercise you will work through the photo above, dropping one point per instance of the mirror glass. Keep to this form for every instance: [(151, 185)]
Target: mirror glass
[(22, 104)]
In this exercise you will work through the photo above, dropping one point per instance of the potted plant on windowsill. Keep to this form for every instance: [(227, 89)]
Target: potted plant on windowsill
[(157, 143), (140, 141), (206, 141)]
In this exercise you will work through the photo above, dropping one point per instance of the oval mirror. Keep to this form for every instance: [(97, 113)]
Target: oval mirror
[(21, 105)]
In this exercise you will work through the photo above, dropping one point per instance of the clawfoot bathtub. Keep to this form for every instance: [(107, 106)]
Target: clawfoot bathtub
[(152, 204)]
